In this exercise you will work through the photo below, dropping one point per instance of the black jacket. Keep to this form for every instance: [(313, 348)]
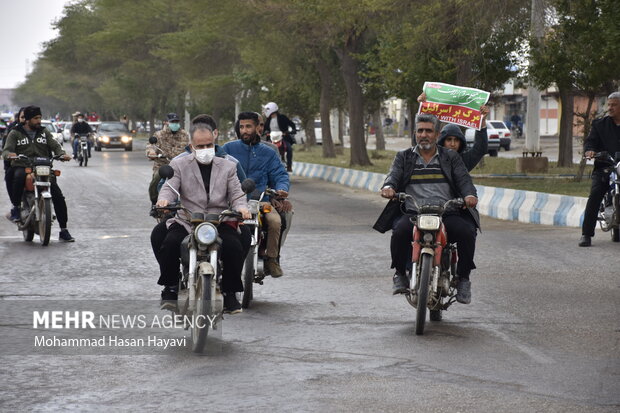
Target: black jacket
[(401, 170), (604, 136), (81, 128), (284, 123)]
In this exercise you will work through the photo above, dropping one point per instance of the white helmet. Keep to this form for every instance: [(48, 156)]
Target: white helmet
[(270, 108)]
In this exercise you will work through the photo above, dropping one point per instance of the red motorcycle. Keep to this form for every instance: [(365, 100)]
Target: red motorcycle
[(432, 277)]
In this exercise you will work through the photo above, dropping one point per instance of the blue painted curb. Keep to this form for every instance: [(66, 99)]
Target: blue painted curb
[(502, 203)]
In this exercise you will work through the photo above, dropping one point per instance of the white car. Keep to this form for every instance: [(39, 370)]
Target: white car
[(492, 136), (502, 131), (53, 130)]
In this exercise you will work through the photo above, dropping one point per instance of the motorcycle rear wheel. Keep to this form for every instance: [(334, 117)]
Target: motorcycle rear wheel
[(615, 234), (45, 220), (435, 315), (425, 275), (203, 306), (248, 279)]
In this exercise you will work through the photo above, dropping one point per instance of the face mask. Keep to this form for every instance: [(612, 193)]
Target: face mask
[(174, 127), (205, 156), (80, 120)]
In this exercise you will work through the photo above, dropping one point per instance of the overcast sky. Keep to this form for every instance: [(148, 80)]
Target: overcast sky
[(25, 26)]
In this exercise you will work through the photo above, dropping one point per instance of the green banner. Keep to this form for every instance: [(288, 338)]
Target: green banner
[(454, 104)]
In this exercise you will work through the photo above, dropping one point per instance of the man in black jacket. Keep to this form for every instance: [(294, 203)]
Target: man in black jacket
[(430, 171), (604, 136), (277, 122), (80, 127)]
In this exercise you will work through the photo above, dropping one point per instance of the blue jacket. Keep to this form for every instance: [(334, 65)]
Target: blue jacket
[(261, 164)]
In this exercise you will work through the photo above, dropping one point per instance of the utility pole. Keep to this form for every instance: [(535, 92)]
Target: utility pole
[(535, 163)]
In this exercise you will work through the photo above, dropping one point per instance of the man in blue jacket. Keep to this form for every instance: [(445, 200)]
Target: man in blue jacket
[(263, 165)]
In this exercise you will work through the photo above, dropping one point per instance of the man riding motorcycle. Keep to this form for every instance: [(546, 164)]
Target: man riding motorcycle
[(219, 187), (277, 122), (32, 140), (430, 171), (80, 127), (171, 141), (262, 164)]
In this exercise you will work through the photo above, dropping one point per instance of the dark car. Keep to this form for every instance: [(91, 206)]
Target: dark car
[(113, 135)]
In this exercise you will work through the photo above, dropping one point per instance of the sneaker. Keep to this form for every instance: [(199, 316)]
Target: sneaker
[(65, 236), (15, 214), (272, 267), (463, 291), (169, 297), (585, 241), (231, 304), (400, 284)]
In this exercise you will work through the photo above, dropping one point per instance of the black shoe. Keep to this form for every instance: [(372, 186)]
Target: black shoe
[(463, 291), (169, 297), (400, 284), (65, 236), (585, 241), (231, 304), (16, 215)]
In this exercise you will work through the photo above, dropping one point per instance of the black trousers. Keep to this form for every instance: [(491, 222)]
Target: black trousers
[(461, 229), (166, 243), (600, 185), (8, 178), (58, 199)]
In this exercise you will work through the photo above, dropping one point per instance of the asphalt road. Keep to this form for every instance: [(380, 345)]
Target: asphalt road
[(541, 333)]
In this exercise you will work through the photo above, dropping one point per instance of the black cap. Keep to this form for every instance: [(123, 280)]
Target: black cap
[(173, 116), (31, 111)]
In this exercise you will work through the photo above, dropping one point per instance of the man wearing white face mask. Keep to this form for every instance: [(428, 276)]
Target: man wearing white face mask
[(171, 141), (220, 188)]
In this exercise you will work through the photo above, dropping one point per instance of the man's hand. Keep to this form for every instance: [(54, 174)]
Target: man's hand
[(245, 213), (66, 158), (484, 110), (162, 203), (589, 154), (282, 193), (470, 201), (422, 97), (12, 156), (152, 154), (388, 192)]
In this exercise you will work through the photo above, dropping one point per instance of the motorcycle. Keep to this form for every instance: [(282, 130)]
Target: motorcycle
[(36, 203), (254, 266), (609, 211), (200, 297), (432, 276), (82, 153)]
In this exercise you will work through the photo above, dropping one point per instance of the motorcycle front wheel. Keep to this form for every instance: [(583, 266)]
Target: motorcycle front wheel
[(200, 328), (45, 220), (248, 279), (85, 156), (425, 275), (27, 201)]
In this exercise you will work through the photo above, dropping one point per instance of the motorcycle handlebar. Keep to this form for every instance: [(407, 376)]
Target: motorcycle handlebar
[(402, 197)]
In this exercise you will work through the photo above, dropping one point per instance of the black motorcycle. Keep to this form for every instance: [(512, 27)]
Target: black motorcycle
[(609, 211)]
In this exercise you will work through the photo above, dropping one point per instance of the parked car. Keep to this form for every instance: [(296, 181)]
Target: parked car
[(113, 135), (318, 132), (493, 139), (503, 132), (53, 130)]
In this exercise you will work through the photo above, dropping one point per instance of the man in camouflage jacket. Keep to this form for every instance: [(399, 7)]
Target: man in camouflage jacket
[(171, 141)]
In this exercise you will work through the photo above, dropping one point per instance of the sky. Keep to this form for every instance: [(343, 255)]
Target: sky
[(30, 22)]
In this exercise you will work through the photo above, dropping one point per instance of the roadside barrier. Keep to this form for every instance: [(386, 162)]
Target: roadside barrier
[(502, 203)]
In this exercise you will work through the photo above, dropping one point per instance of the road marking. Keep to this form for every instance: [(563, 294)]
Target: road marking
[(113, 236), (536, 355), (10, 236)]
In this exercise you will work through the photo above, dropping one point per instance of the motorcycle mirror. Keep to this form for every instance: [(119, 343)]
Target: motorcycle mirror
[(166, 171), (617, 156), (152, 140), (248, 186)]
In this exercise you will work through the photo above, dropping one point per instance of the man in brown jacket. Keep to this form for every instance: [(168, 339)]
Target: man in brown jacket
[(171, 141), (209, 184)]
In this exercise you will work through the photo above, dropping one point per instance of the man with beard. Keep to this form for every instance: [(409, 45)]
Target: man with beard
[(263, 165), (33, 140), (429, 171)]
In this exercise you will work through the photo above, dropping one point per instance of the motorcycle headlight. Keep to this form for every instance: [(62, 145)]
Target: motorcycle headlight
[(429, 222), (42, 170), (253, 206), (205, 233)]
